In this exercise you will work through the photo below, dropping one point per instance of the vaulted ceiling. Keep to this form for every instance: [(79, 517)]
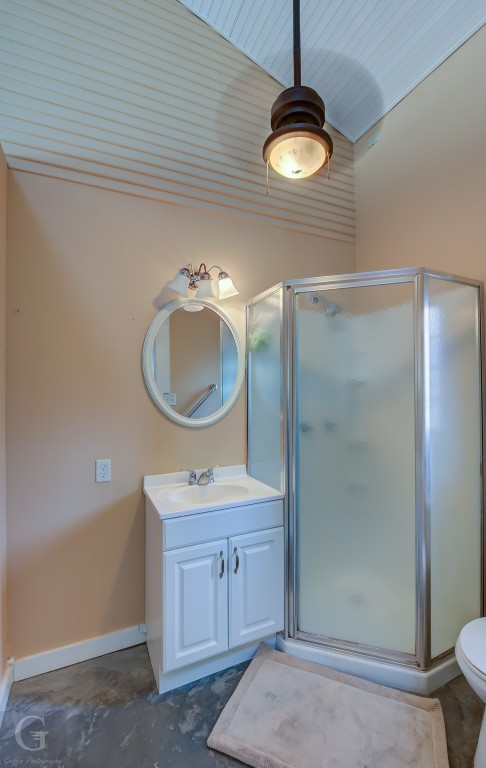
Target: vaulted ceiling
[(142, 97), (361, 56)]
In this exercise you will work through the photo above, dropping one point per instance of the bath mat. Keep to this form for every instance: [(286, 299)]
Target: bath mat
[(290, 713)]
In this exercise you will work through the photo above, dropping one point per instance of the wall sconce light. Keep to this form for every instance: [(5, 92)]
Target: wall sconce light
[(198, 283)]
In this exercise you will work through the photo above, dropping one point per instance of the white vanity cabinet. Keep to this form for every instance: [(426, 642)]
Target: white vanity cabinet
[(195, 603), (214, 587), (256, 585), (221, 595)]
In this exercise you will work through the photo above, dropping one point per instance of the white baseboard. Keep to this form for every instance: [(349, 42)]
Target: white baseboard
[(39, 663), (5, 685)]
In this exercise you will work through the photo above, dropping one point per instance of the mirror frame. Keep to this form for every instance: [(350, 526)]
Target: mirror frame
[(148, 372)]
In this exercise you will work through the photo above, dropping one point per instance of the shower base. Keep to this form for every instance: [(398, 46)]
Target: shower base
[(386, 673)]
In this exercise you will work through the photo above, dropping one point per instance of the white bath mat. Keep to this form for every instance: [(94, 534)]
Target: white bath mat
[(290, 713)]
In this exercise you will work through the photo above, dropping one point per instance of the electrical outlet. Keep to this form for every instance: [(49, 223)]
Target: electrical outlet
[(103, 470), (170, 398)]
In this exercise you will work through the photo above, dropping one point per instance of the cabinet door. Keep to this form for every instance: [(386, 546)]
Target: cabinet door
[(256, 572), (195, 616)]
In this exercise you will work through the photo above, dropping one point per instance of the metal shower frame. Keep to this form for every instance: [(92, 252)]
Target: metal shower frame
[(288, 446)]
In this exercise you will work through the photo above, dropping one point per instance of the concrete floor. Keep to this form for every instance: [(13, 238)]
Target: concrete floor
[(106, 713)]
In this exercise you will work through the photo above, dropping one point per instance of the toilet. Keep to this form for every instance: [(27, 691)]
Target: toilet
[(471, 657)]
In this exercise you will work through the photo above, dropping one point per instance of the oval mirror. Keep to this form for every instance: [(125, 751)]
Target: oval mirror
[(193, 362)]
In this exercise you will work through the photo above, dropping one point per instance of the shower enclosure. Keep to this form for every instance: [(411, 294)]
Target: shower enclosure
[(364, 407)]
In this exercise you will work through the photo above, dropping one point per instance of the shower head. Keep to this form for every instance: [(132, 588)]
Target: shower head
[(330, 307)]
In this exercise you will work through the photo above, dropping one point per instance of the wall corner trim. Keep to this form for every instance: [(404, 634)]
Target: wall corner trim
[(47, 661), (5, 685)]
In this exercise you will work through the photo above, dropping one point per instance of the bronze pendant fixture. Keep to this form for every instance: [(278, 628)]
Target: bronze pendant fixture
[(298, 146)]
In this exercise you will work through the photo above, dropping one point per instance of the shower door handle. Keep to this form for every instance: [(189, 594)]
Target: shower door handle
[(237, 564)]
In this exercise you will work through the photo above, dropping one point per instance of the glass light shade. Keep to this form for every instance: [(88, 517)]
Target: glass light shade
[(226, 286), (180, 283), (296, 153), (193, 307), (205, 289)]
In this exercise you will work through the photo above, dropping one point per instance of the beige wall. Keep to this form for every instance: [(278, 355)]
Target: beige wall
[(85, 270), (3, 521), (421, 189)]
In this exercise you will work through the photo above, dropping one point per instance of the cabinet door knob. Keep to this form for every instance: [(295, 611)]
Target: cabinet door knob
[(237, 565), (221, 573)]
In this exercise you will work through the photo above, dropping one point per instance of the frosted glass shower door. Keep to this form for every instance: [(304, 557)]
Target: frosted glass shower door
[(355, 465), (265, 396), (454, 433)]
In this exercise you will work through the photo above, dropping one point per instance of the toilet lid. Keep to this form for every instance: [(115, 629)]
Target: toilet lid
[(473, 643)]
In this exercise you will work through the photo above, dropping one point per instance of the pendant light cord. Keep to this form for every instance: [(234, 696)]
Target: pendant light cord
[(297, 67)]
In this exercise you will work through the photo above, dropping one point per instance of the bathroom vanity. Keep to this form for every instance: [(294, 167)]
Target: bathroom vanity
[(214, 572)]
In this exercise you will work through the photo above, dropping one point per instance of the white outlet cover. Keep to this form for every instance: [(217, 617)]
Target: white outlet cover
[(103, 470)]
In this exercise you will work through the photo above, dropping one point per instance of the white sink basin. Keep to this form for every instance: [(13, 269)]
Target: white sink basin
[(172, 497), (213, 493)]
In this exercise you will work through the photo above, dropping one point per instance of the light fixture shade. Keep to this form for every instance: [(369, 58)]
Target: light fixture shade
[(226, 286), (205, 288), (193, 307), (180, 283), (298, 151), (198, 283), (299, 146)]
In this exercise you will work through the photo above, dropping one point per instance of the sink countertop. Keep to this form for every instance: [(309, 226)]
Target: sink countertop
[(172, 496)]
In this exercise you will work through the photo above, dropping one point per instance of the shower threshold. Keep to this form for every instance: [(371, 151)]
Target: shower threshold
[(394, 675)]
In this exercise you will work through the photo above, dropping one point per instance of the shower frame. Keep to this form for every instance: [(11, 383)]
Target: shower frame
[(288, 290)]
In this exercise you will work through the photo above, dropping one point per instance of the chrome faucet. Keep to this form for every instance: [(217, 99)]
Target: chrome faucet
[(192, 476), (207, 477)]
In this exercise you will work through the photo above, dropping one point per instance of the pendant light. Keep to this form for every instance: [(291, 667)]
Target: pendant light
[(298, 146)]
